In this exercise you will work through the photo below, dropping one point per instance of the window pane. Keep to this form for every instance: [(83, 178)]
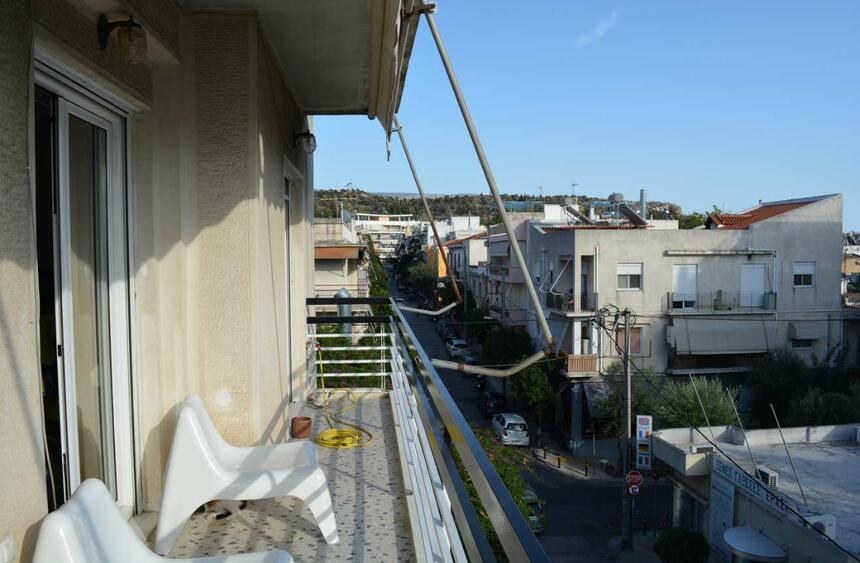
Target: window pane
[(89, 314)]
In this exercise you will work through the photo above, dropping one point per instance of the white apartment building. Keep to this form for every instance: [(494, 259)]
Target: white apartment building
[(467, 257), (706, 301), (385, 231)]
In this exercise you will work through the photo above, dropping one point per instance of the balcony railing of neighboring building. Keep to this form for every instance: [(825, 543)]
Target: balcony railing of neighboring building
[(721, 301), (581, 364), (427, 429), (567, 302), (330, 290)]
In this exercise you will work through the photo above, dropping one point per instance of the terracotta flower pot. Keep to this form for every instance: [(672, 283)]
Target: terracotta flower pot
[(300, 427)]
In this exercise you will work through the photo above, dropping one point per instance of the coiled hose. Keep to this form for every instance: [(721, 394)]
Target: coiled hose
[(339, 438)]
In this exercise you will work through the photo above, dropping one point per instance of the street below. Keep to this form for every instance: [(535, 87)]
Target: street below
[(583, 515)]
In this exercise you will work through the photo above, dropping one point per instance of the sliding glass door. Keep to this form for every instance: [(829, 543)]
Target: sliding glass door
[(92, 296)]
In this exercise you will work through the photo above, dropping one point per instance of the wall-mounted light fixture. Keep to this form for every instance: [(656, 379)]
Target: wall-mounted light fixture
[(130, 35), (307, 141)]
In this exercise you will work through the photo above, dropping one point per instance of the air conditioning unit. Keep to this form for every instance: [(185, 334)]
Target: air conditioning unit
[(825, 523), (701, 449), (768, 475), (670, 336)]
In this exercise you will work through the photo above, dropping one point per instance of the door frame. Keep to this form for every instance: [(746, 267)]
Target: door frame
[(84, 99), (749, 302)]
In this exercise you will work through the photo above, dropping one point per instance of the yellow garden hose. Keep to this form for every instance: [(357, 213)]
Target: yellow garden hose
[(341, 438)]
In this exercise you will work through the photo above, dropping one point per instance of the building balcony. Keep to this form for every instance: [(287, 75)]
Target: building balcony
[(721, 302), (402, 497), (563, 302), (506, 273), (581, 365)]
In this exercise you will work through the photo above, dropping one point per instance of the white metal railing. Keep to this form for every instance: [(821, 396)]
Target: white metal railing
[(334, 366)]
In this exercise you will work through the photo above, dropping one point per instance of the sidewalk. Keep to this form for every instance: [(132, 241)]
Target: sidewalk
[(642, 552), (591, 469)]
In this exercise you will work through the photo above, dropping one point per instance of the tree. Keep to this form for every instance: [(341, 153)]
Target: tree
[(674, 406), (818, 408), (778, 378), (532, 387), (506, 345), (688, 412), (691, 220), (678, 545), (422, 278)]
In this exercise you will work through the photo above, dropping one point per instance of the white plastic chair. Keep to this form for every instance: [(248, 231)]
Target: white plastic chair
[(89, 528), (203, 467)]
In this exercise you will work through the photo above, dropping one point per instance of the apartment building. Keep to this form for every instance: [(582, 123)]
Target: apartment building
[(507, 299), (340, 260), (387, 232), (706, 301), (156, 239), (467, 257)]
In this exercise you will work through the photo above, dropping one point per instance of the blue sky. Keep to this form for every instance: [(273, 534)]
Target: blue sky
[(720, 103)]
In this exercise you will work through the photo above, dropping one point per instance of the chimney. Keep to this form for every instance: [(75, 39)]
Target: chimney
[(643, 204)]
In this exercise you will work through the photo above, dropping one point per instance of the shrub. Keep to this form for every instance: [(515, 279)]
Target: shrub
[(678, 545)]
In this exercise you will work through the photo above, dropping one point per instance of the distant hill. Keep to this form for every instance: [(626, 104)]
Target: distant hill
[(328, 203)]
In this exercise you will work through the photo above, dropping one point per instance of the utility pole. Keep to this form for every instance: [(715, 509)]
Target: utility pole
[(627, 502)]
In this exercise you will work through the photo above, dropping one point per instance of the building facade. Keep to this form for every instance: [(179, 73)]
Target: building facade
[(706, 301)]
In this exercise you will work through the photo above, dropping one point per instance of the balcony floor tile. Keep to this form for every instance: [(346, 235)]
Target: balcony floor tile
[(367, 490)]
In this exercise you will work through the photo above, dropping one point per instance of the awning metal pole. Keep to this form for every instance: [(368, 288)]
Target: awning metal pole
[(488, 174), (399, 129), (788, 453)]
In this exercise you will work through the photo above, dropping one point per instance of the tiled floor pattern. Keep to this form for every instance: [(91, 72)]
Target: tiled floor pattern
[(367, 490)]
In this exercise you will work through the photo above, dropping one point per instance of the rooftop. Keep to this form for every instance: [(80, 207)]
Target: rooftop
[(824, 457)]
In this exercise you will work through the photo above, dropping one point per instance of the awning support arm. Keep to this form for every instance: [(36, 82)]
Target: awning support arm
[(491, 180)]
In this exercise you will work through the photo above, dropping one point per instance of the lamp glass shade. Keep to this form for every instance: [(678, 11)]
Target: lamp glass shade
[(131, 41)]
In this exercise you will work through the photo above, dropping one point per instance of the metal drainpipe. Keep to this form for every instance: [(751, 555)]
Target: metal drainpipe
[(488, 174)]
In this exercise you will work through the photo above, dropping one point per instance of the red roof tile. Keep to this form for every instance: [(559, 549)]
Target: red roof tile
[(744, 220)]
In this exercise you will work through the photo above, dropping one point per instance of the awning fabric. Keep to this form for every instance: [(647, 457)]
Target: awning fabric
[(336, 252), (595, 391), (559, 330), (810, 330), (718, 336), (498, 249)]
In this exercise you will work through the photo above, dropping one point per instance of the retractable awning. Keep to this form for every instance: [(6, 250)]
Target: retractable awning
[(560, 330), (339, 56), (723, 336), (809, 330)]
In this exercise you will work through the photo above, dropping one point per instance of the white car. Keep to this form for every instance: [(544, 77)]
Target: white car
[(457, 347), (511, 429)]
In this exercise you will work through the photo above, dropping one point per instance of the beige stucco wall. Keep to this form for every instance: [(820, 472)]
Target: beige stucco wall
[(22, 487), (211, 276)]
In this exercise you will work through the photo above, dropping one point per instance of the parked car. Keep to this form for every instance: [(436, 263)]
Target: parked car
[(537, 516), (472, 359), (511, 429), (490, 403), (457, 347)]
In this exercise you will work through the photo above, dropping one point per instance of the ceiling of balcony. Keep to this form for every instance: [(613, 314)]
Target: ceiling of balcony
[(339, 56)]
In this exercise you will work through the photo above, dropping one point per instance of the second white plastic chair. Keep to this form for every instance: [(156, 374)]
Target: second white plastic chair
[(90, 529), (203, 467)]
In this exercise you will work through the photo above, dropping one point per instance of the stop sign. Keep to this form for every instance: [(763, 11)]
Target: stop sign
[(634, 478)]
